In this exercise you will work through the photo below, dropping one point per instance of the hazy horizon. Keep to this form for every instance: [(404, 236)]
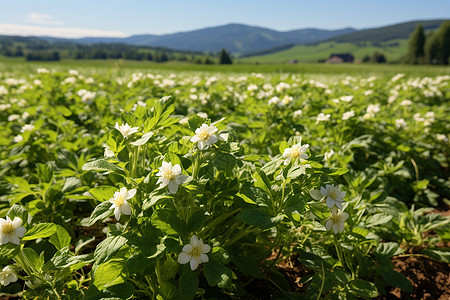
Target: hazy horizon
[(118, 19)]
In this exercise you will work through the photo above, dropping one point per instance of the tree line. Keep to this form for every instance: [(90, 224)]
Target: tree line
[(430, 48)]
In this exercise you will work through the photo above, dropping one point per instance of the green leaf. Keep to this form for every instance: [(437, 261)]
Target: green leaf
[(8, 252), (108, 247), (263, 182), (219, 255), (38, 231), (103, 193), (102, 165), (259, 218), (335, 172), (143, 140), (389, 249), (248, 266), (35, 260), (101, 212), (61, 238), (195, 122), (197, 221), (217, 275), (154, 200), (45, 172), (394, 278), (296, 172), (109, 273), (224, 161), (272, 166), (18, 211), (378, 219), (188, 284), (363, 288), (166, 221), (438, 254)]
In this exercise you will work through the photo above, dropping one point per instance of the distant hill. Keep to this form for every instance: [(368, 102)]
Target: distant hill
[(390, 40), (236, 38), (386, 33)]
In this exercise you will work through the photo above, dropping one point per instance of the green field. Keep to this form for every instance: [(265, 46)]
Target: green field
[(131, 180), (314, 53), (15, 64)]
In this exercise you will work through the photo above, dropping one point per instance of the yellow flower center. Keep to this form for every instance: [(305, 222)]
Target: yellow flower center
[(196, 252), (295, 152), (7, 228), (203, 134), (333, 194), (167, 173), (335, 218), (118, 200)]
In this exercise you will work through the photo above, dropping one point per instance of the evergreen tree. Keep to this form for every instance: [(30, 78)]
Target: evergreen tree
[(443, 39), (416, 51), (431, 49), (224, 58)]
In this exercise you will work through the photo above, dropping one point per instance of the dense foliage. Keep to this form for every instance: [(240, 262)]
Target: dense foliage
[(192, 185)]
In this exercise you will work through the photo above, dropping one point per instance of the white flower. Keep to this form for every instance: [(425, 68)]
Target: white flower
[(371, 110), (73, 72), (3, 90), (400, 123), (297, 113), (346, 98), (42, 70), (323, 117), (4, 106), (406, 102), (27, 127), (204, 136), (11, 231), (194, 253), (336, 221), (119, 202), (7, 275), (274, 101), (108, 152), (13, 117), (296, 151), (334, 196), (18, 138), (348, 115), (327, 155), (126, 129), (170, 176)]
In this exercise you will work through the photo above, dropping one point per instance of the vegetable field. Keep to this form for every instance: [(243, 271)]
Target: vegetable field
[(191, 185)]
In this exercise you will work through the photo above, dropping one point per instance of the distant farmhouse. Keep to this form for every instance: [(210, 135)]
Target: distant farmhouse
[(340, 58)]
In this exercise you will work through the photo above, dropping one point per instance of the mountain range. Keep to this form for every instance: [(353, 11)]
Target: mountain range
[(245, 40), (236, 38)]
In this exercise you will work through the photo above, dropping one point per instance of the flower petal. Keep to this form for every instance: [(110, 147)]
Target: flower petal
[(17, 222), (206, 248), (203, 258), (180, 179), (328, 224), (187, 248), (173, 187), (194, 263), (125, 209), (131, 193), (316, 194), (184, 258), (195, 139), (117, 213), (20, 231)]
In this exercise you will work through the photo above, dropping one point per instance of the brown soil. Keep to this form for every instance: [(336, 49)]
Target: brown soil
[(430, 278)]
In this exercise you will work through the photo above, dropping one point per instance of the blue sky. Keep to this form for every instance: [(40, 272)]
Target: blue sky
[(124, 18)]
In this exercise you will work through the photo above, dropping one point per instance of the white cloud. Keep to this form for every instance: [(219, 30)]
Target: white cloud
[(43, 19), (62, 32)]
